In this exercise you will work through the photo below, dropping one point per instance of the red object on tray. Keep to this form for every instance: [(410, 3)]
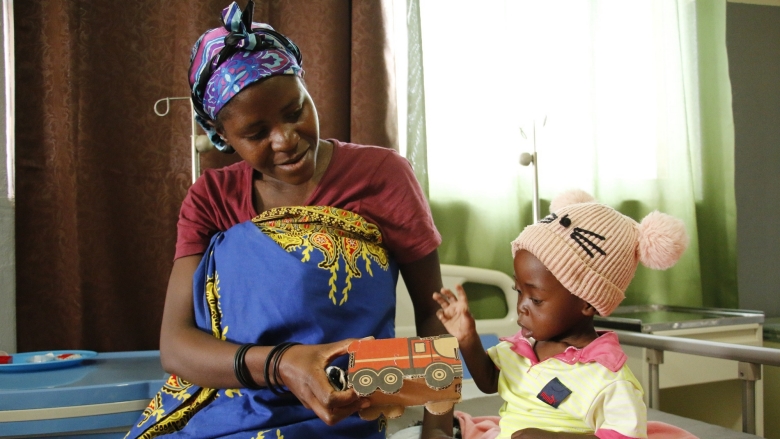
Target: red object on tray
[(6, 359)]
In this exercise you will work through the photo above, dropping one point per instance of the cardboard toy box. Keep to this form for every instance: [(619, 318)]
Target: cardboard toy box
[(394, 373)]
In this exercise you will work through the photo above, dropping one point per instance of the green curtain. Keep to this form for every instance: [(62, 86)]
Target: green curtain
[(416, 141), (716, 211), (481, 204)]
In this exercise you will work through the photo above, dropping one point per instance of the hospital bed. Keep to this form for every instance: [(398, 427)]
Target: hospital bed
[(101, 398), (97, 399)]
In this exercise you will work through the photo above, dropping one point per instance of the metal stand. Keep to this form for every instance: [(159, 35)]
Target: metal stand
[(533, 158), (198, 142), (749, 373), (654, 359)]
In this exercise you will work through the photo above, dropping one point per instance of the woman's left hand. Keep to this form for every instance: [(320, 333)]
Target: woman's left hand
[(303, 372)]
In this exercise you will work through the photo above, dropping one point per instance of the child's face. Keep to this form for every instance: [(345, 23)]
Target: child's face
[(546, 309)]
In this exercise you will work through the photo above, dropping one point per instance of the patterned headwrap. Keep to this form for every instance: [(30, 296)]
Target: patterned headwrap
[(226, 59)]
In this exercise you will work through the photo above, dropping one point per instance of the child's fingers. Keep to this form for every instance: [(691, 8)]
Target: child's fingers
[(449, 295), (461, 294), (445, 297), (438, 298), (459, 298)]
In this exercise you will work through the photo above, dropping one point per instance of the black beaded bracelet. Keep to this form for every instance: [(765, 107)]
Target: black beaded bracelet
[(274, 356), (266, 366), (278, 359), (242, 373)]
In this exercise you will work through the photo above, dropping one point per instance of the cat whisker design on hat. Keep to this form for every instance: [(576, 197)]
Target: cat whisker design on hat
[(579, 236)]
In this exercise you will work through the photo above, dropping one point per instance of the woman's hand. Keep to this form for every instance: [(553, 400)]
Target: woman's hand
[(302, 368), (454, 313)]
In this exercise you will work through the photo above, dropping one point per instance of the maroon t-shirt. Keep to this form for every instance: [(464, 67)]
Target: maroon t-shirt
[(374, 182)]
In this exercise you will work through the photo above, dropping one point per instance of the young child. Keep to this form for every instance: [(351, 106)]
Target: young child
[(558, 375)]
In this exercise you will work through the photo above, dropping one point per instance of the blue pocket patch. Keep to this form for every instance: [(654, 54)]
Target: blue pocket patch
[(554, 393)]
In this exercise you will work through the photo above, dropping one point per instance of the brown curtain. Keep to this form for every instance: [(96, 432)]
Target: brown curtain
[(100, 177)]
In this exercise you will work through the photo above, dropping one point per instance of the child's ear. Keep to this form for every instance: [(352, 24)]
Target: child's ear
[(589, 311)]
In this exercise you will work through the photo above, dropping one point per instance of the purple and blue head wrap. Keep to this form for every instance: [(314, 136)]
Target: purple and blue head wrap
[(226, 59)]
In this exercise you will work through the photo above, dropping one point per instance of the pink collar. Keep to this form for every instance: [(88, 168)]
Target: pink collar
[(604, 350)]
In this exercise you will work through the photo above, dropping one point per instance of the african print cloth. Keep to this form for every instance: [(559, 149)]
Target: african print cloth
[(306, 274), (248, 51)]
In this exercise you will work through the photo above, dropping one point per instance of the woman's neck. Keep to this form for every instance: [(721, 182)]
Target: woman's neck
[(269, 193)]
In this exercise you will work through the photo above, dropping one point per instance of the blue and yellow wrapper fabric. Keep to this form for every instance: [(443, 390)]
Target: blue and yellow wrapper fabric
[(312, 275)]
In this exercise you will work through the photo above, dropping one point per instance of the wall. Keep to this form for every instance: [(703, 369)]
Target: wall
[(753, 40), (7, 242)]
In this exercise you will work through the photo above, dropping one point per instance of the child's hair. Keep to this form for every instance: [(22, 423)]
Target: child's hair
[(593, 250)]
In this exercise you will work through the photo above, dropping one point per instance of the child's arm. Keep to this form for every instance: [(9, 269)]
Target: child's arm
[(459, 322)]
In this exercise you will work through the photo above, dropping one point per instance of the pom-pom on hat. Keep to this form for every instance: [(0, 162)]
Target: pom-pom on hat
[(593, 250)]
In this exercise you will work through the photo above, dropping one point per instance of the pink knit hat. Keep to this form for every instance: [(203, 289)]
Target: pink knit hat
[(593, 250)]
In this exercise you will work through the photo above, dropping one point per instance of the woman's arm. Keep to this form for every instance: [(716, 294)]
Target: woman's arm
[(422, 278), (187, 351), (202, 359)]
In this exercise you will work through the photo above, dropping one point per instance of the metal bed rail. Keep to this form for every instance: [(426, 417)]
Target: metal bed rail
[(749, 358)]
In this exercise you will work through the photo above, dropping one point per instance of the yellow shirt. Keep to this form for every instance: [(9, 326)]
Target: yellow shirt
[(605, 399)]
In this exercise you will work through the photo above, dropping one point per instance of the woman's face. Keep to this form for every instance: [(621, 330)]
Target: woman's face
[(546, 310), (273, 126)]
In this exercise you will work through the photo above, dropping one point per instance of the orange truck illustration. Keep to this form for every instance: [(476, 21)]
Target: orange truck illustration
[(387, 364)]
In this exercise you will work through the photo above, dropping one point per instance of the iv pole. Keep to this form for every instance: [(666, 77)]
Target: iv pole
[(533, 158), (198, 142)]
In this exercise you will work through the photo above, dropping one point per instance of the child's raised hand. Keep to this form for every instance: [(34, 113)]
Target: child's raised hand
[(454, 313)]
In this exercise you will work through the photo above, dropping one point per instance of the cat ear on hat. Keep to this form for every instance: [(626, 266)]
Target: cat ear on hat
[(662, 240), (569, 197)]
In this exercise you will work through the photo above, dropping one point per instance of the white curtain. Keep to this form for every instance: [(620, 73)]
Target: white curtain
[(606, 92)]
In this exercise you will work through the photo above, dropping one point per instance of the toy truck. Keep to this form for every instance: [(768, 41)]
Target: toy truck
[(408, 371)]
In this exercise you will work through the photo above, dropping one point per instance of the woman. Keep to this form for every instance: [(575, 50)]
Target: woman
[(283, 258)]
